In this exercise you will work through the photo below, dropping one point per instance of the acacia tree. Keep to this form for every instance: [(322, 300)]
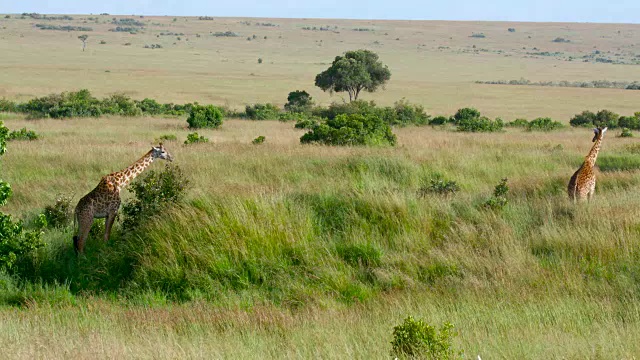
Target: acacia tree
[(14, 240), (355, 71), (83, 38)]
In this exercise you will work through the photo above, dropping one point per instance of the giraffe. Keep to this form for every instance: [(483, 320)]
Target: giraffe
[(104, 200), (583, 181)]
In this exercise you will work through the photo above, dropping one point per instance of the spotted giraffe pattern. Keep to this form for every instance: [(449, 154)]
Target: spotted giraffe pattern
[(583, 182), (104, 201)]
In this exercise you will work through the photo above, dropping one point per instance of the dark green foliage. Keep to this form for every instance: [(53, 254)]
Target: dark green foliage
[(355, 71), (511, 30), (225, 34), (8, 106), (359, 107), (127, 22), (621, 162), (59, 214), (262, 112), (439, 120), (167, 137), (404, 113), (306, 123), (351, 130), (480, 124), (561, 40), (437, 185), (415, 339), (521, 123), (15, 241), (478, 35), (63, 27), (259, 60), (23, 134), (544, 124), (259, 140), (127, 29), (366, 255), (629, 122), (194, 138), (67, 104), (299, 101), (626, 133), (499, 198), (585, 118), (151, 107), (465, 114), (294, 116), (153, 193), (202, 116), (120, 104)]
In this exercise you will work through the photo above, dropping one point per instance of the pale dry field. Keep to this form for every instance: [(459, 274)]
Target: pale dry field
[(433, 63)]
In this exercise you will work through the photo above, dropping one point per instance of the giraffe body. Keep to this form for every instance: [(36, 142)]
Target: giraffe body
[(583, 182), (104, 201)]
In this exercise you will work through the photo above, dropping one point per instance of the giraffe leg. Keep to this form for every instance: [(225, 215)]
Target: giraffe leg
[(108, 223), (84, 226)]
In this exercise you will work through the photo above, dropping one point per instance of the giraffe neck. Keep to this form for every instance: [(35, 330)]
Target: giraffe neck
[(593, 154), (127, 175)]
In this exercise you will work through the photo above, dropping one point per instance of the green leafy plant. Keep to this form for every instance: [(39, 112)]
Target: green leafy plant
[(520, 123), (262, 112), (299, 101), (499, 198), (152, 193), (167, 137), (416, 339), (438, 185), (351, 130), (259, 140), (59, 214), (23, 134), (626, 133), (204, 117), (543, 124), (194, 138)]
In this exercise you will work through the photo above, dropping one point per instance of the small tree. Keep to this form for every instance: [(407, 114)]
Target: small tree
[(299, 101), (204, 117), (83, 38), (355, 71)]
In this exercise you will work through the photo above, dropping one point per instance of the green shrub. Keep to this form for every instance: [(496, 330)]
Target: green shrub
[(629, 122), (153, 192), (299, 101), (359, 107), (59, 214), (351, 130), (194, 138), (626, 133), (437, 185), (499, 198), (465, 114), (15, 241), (293, 116), (479, 124), (151, 107), (416, 339), (404, 113), (8, 106), (259, 140), (439, 120), (167, 137), (543, 124), (120, 104), (204, 117), (521, 123), (262, 112), (606, 118), (65, 105), (585, 118), (23, 134), (306, 124)]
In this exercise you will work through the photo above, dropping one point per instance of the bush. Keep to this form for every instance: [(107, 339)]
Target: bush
[(543, 124), (465, 114), (629, 122), (8, 106), (626, 133), (351, 130), (120, 104), (194, 138), (204, 117), (259, 60), (151, 107), (439, 120), (59, 214), (23, 134), (417, 339), (259, 140), (606, 118), (585, 118), (521, 123), (155, 191), (262, 112), (404, 113), (15, 241), (305, 124), (299, 101), (499, 198), (167, 137), (66, 104), (439, 186), (293, 116), (480, 124)]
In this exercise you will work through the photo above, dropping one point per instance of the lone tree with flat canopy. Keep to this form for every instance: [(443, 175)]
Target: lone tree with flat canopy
[(83, 38), (355, 71)]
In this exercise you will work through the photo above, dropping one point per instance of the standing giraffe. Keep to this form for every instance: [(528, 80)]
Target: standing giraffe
[(583, 181), (104, 200)]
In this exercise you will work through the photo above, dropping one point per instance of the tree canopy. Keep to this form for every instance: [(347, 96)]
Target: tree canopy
[(355, 71)]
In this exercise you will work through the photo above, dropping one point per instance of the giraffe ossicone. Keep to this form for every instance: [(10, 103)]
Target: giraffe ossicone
[(104, 200)]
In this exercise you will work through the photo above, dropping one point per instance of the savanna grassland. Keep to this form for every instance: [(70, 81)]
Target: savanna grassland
[(305, 251)]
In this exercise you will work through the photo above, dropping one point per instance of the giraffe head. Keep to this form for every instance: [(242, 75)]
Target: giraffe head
[(599, 133), (159, 152)]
